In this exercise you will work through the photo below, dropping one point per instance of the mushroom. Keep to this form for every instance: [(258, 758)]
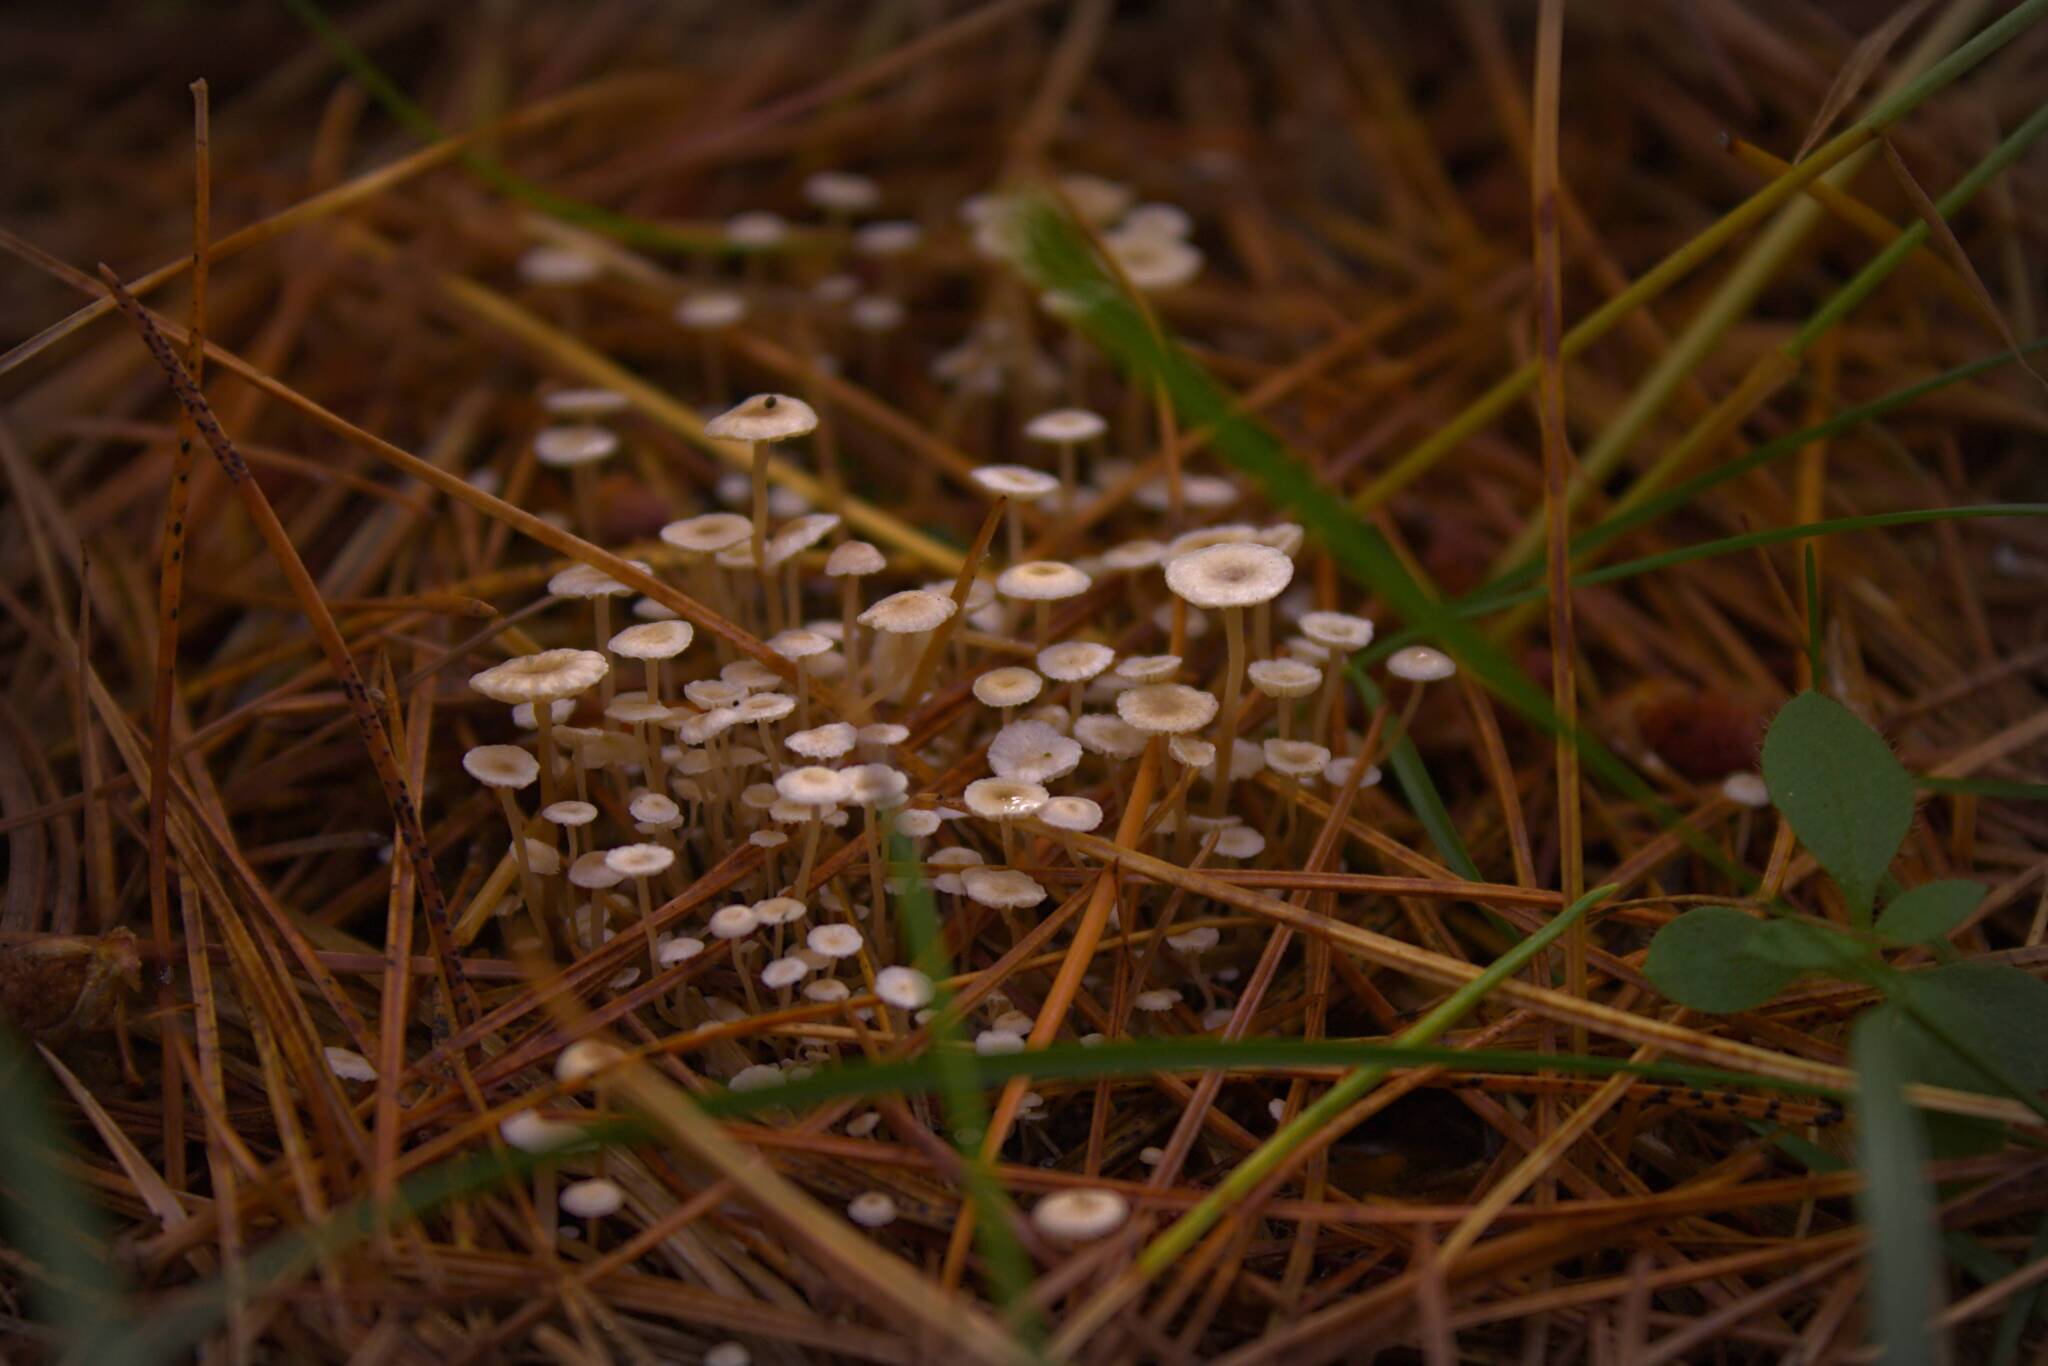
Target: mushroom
[(759, 422), (588, 581), (1020, 484), (541, 678), (1003, 800), (1032, 751), (1232, 577), (872, 1209), (1074, 662), (1007, 688), (652, 642), (577, 449), (813, 788), (1284, 680), (1080, 1216), (1042, 583), (505, 769), (709, 313), (641, 862), (1066, 428), (850, 562)]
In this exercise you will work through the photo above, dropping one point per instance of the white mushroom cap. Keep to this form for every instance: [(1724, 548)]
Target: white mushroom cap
[(756, 228), (639, 860), (1016, 481), (904, 988), (1746, 789), (531, 1132), (349, 1065), (1152, 261), (710, 310), (1148, 668), (634, 710), (823, 742), (695, 730), (1338, 772), (593, 872), (561, 709), (1421, 664), (1079, 1216), (588, 581), (799, 643), (751, 674), (1284, 677), (916, 823), (584, 1058), (813, 786), (1096, 199), (589, 402), (680, 949), (892, 237), (1071, 813), (542, 677), (1200, 939), (1162, 220), (1074, 661), (1010, 686), (764, 417), (1296, 758), (543, 857), (842, 191), (1002, 887), (826, 990), (875, 313), (1337, 630), (1066, 424), (1042, 581), (1004, 798), (765, 706), (768, 839), (728, 1354), (995, 1042), (1110, 736), (655, 808), (1166, 708), (784, 972), (759, 1077), (834, 941), (550, 264), (733, 922), (1196, 491), (876, 785), (1131, 555), (708, 532), (592, 1199), (1032, 751), (854, 559), (561, 447), (872, 1209), (800, 534), (653, 640), (908, 612), (1230, 575), (647, 609), (1156, 1000), (1191, 750), (569, 812), (501, 766), (884, 733)]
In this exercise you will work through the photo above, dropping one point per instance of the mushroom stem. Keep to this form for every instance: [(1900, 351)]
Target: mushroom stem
[(653, 680), (585, 496), (544, 723), (849, 639), (1041, 621), (529, 890), (601, 616), (757, 452), (1012, 517), (1233, 679), (1068, 478), (878, 905), (812, 828), (647, 926)]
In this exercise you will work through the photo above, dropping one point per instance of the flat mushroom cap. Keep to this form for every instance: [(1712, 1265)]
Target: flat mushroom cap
[(1079, 1216), (1002, 888), (800, 534), (765, 706), (1148, 668), (1139, 554), (736, 921), (1191, 750), (711, 310), (1296, 758), (653, 640), (587, 581), (593, 871), (584, 402), (798, 643), (1284, 677), (654, 808), (1746, 789), (908, 612), (639, 860), (709, 532), (1071, 813), (854, 559), (904, 988), (1337, 630), (813, 786), (568, 813), (1012, 685), (1004, 798), (679, 950), (1110, 736), (916, 823), (785, 972), (1421, 664), (561, 447), (1016, 481), (756, 228), (1066, 424), (876, 785), (1152, 261), (823, 742), (1074, 661), (501, 766), (843, 191), (1166, 708), (1236, 574), (891, 237), (592, 1199), (550, 264), (349, 1065), (884, 733), (542, 677), (1032, 751), (764, 417), (1042, 581), (834, 941)]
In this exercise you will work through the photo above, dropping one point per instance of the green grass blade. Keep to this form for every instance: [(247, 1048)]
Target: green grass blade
[(1895, 1203)]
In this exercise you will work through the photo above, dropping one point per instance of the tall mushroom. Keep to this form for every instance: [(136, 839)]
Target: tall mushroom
[(542, 678), (760, 422), (1232, 577)]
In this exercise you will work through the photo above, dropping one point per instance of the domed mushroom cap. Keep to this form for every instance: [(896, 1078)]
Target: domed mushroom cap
[(904, 988), (1148, 668), (1133, 555), (909, 612), (764, 417), (779, 910), (1200, 939), (1009, 686), (1080, 1216), (1159, 220), (785, 972), (707, 533), (680, 949), (800, 534), (756, 228), (1238, 574), (647, 609), (1074, 661), (1016, 481), (1336, 630), (1284, 678), (1152, 261), (561, 447), (826, 991), (834, 941), (916, 823), (561, 709), (884, 733), (1004, 798), (534, 1133), (876, 785), (823, 742), (695, 730), (1095, 198), (569, 813), (751, 674), (872, 1209), (711, 309), (653, 640), (1191, 750), (1239, 841), (891, 237), (1042, 581), (592, 872), (1296, 758), (1166, 708), (501, 766), (592, 1199), (1065, 425), (349, 1065), (1421, 664), (996, 1042), (798, 643), (639, 860), (588, 581), (1157, 1000), (1746, 789), (654, 808), (736, 921), (1338, 772), (712, 692), (813, 786), (584, 1058), (590, 402), (842, 191), (765, 706), (542, 677), (1033, 752), (854, 559), (1002, 888), (557, 265), (1110, 736), (635, 710), (1071, 813)]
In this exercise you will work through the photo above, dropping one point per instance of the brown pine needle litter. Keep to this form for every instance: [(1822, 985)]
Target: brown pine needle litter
[(1004, 682)]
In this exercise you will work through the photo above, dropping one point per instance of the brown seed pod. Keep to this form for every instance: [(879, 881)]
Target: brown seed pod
[(56, 986)]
